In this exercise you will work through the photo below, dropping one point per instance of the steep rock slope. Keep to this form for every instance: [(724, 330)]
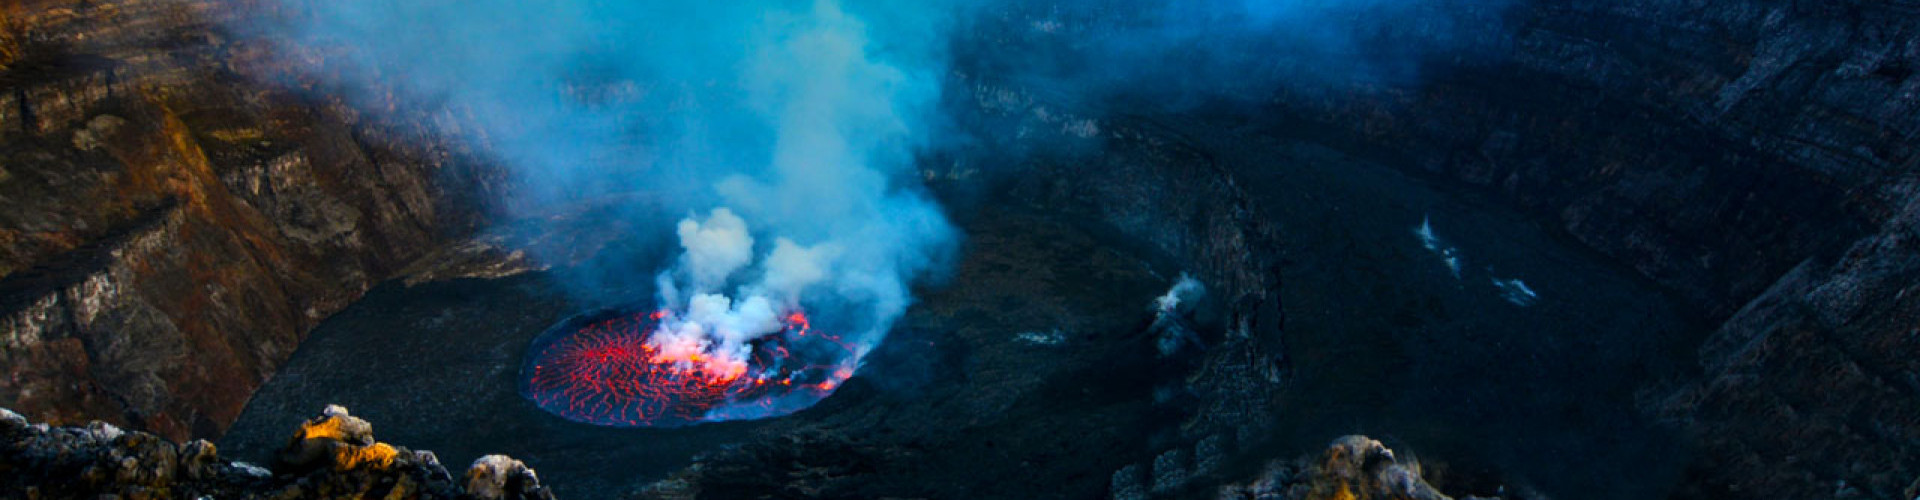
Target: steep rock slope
[(1755, 157), (176, 210)]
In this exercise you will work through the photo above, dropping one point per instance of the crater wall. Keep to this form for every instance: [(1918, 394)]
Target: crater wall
[(177, 210)]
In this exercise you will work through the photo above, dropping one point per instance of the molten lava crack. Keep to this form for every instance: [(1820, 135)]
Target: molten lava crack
[(608, 369)]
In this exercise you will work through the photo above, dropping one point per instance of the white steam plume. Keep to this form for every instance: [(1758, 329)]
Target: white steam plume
[(1185, 290), (847, 239), (715, 249)]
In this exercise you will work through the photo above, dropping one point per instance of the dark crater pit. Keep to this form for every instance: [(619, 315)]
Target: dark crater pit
[(955, 382), (1032, 368)]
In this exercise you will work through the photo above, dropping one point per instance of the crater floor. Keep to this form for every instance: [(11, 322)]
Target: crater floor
[(1386, 340), (1030, 366)]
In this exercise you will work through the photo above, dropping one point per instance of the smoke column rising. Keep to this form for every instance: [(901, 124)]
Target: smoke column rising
[(784, 130)]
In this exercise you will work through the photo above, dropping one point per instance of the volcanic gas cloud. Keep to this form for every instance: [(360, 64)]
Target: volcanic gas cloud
[(786, 130), (705, 358)]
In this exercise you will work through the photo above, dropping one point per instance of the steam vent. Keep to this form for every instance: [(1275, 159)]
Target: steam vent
[(947, 249)]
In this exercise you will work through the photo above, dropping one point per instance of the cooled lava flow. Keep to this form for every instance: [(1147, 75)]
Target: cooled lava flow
[(601, 369)]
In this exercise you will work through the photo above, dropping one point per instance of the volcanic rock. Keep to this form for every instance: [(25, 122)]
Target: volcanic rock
[(331, 456), (500, 477), (1352, 468)]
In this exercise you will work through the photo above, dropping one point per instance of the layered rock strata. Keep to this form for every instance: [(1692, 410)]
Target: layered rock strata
[(177, 209)]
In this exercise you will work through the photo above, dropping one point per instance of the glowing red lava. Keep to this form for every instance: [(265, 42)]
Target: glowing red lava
[(601, 369)]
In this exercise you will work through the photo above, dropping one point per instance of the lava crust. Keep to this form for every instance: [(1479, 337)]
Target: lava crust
[(605, 368)]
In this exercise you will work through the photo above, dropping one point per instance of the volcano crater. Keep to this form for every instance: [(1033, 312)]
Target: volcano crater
[(1040, 343)]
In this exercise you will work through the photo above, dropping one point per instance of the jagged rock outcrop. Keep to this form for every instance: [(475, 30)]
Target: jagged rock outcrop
[(1813, 388), (176, 211), (1352, 468), (333, 455)]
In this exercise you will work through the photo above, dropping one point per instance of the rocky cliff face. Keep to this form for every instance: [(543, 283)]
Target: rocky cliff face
[(1711, 146), (1755, 157), (176, 211)]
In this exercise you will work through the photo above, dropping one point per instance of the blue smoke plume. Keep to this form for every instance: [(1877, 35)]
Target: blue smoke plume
[(785, 130), (801, 117), (1178, 53)]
